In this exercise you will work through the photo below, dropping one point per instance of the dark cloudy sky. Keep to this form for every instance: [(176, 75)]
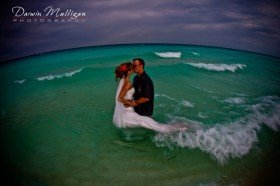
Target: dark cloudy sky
[(239, 24)]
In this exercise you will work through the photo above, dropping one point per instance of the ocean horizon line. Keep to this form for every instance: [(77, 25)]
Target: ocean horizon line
[(126, 44)]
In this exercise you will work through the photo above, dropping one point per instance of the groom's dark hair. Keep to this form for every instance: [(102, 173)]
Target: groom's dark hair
[(141, 61)]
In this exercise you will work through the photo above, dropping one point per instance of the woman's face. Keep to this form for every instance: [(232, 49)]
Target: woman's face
[(130, 72)]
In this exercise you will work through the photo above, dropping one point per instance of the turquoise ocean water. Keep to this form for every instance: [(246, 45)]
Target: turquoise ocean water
[(56, 118)]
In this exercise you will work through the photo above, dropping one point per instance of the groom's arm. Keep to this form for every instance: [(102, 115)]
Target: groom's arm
[(147, 94), (133, 103), (139, 101)]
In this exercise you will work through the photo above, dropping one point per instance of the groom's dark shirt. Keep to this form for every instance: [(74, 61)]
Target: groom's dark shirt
[(144, 87)]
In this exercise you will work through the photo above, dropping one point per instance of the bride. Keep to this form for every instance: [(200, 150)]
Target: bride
[(124, 115)]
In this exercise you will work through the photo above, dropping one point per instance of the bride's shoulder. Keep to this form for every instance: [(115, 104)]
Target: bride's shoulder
[(128, 84), (126, 81)]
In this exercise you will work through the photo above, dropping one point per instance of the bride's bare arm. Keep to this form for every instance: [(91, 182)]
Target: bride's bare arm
[(125, 88)]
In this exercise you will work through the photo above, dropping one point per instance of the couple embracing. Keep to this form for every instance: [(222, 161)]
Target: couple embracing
[(135, 100)]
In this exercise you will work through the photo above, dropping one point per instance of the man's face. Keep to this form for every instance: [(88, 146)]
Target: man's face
[(137, 66)]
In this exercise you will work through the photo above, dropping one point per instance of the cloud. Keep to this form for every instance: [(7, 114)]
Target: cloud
[(246, 25)]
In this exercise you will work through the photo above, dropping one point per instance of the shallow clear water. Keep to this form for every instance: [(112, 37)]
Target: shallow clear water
[(57, 108)]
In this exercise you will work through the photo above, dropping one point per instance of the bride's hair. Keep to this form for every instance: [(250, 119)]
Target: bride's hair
[(123, 69)]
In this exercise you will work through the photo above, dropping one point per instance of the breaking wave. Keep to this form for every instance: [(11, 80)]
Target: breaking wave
[(20, 81), (218, 67), (58, 76), (225, 141), (236, 100), (169, 54), (196, 53), (184, 103)]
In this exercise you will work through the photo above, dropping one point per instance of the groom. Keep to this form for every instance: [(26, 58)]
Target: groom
[(144, 90)]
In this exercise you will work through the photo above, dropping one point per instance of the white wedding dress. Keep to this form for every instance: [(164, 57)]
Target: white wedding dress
[(126, 117)]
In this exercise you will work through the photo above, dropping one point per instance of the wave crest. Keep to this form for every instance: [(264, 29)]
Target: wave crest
[(20, 81), (226, 141), (169, 54), (196, 53), (236, 100), (218, 67), (58, 76), (184, 102)]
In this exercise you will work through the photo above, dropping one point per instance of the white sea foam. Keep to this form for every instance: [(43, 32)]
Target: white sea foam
[(58, 76), (201, 115), (239, 94), (203, 89), (196, 53), (184, 103), (225, 141), (218, 67), (20, 81), (187, 103), (236, 100), (164, 95), (169, 54)]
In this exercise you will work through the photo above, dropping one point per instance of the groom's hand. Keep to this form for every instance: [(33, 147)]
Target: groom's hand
[(133, 103), (127, 104)]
